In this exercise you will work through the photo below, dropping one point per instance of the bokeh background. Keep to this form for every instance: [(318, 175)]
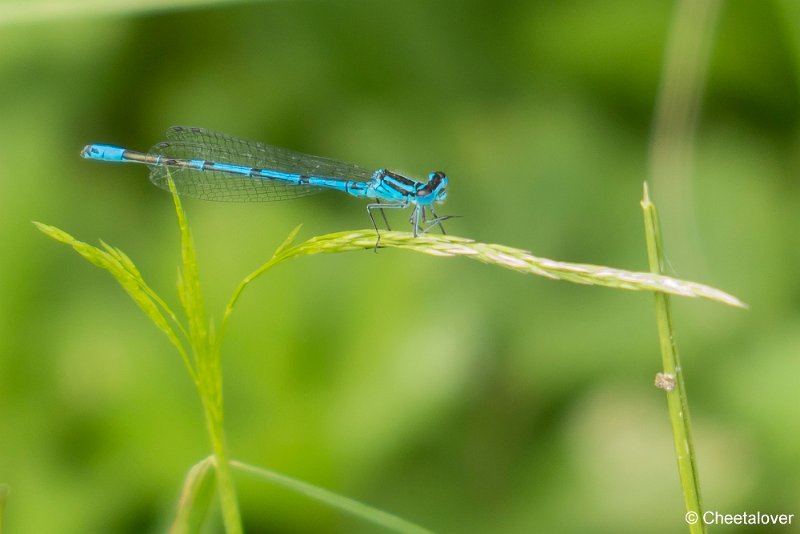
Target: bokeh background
[(456, 395)]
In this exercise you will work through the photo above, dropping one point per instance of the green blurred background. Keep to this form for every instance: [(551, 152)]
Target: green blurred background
[(456, 395)]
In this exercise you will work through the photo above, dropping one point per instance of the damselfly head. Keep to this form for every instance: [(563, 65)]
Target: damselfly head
[(437, 185)]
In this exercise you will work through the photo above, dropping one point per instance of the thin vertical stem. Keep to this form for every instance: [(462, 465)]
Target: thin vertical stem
[(225, 484), (209, 371), (671, 379)]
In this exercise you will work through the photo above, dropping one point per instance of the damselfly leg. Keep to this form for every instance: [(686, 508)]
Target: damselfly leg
[(377, 205)]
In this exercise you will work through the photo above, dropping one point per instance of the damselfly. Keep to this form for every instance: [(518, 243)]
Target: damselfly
[(214, 166)]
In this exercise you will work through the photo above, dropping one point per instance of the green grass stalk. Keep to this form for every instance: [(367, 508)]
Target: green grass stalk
[(378, 517), (207, 360), (671, 378)]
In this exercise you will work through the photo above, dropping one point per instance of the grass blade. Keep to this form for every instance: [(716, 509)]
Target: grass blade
[(509, 258), (128, 265), (252, 276), (21, 11), (129, 278), (198, 491), (189, 282), (333, 500)]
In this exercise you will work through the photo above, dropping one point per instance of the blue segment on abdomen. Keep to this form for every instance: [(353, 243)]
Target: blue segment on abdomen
[(289, 177), (241, 170), (103, 152), (329, 183)]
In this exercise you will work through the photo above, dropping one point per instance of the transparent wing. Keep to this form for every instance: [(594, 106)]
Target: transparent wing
[(199, 143)]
